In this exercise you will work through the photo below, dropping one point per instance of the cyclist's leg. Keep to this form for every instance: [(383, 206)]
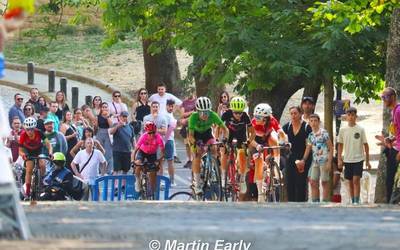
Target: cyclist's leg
[(138, 169), (42, 167), (28, 176), (242, 164), (224, 164), (273, 140), (152, 158)]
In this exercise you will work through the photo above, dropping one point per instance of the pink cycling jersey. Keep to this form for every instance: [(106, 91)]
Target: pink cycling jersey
[(149, 144)]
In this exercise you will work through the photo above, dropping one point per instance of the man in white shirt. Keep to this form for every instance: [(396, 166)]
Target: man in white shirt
[(89, 161), (169, 140), (162, 96)]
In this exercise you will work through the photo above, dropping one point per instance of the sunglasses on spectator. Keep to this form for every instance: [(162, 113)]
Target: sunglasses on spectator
[(28, 109), (97, 99), (20, 99), (117, 95), (385, 97), (143, 93)]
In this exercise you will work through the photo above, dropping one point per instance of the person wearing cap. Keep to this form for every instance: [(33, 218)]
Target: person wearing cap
[(392, 142), (122, 145), (58, 182), (57, 139), (308, 107), (353, 149)]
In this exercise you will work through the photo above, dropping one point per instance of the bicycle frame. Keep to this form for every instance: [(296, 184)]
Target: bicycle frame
[(36, 181)]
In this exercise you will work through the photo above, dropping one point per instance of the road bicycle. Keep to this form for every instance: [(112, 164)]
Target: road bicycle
[(147, 191), (36, 181), (273, 183)]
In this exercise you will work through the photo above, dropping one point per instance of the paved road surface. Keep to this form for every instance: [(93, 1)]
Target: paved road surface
[(132, 225)]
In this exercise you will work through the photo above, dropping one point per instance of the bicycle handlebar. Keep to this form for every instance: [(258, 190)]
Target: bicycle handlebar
[(43, 157)]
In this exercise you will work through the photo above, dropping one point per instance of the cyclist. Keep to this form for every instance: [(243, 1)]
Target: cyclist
[(146, 148), (200, 129), (31, 144), (239, 125), (267, 132), (58, 183)]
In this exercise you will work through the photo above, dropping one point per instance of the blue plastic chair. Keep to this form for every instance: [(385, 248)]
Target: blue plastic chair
[(105, 187)]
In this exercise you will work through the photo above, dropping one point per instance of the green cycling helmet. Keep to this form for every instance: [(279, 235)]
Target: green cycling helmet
[(237, 104), (58, 156)]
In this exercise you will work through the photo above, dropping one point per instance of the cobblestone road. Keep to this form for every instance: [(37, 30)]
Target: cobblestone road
[(132, 225)]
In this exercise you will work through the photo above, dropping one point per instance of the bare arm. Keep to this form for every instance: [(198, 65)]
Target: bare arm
[(366, 149), (75, 170), (76, 148), (307, 152), (99, 147), (340, 151)]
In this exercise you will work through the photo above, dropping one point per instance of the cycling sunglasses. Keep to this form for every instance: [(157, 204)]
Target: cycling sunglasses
[(204, 113)]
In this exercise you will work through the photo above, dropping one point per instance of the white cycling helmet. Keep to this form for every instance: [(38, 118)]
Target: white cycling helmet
[(30, 123), (203, 103), (262, 109)]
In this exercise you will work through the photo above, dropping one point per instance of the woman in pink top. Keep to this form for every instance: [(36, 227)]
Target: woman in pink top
[(146, 148)]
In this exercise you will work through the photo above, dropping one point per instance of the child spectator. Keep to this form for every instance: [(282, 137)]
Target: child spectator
[(353, 149)]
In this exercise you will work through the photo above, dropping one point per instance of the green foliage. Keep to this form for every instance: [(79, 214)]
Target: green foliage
[(257, 44)]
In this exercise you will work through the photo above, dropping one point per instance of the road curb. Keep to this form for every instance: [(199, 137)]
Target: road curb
[(74, 77), (23, 88)]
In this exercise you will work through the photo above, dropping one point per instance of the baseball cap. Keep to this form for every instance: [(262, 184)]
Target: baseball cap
[(124, 113), (351, 110), (307, 99), (48, 121)]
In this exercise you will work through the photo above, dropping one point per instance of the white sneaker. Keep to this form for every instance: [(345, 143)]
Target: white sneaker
[(173, 184), (261, 198), (243, 187), (137, 187), (197, 189)]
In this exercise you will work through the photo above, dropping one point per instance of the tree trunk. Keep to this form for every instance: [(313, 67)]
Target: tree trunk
[(278, 97), (328, 107), (204, 85), (312, 89), (392, 78), (162, 67)]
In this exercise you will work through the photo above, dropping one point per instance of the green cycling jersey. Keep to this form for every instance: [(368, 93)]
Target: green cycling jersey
[(199, 125)]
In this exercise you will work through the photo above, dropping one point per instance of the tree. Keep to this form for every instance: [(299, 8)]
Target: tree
[(358, 16)]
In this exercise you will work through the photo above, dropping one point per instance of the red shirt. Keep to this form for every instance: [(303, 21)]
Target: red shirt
[(31, 144), (262, 130)]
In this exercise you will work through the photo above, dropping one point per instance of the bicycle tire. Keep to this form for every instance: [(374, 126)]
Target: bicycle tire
[(230, 191), (215, 181), (274, 191), (212, 189), (182, 196), (35, 186)]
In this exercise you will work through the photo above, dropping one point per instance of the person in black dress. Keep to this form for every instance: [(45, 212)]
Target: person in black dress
[(62, 105), (297, 131)]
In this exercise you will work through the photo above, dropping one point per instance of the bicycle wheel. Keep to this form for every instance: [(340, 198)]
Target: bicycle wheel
[(215, 180), (231, 190), (182, 196), (35, 186), (275, 189)]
